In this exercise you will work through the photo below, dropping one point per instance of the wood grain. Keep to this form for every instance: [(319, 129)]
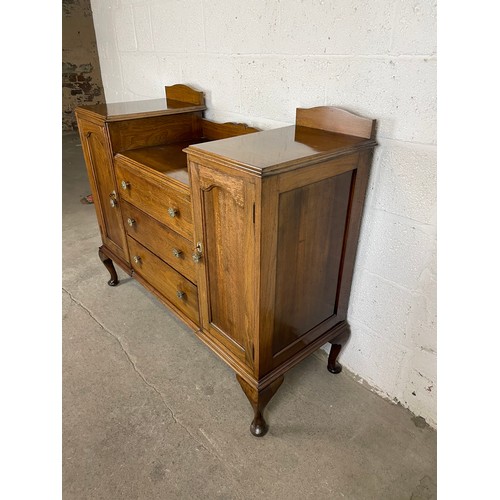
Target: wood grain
[(169, 160), (310, 241), (337, 120), (212, 131), (259, 398), (291, 278), (156, 198), (108, 264), (271, 152), (166, 280), (125, 111), (224, 224), (99, 164), (353, 224), (151, 131), (170, 246), (185, 94)]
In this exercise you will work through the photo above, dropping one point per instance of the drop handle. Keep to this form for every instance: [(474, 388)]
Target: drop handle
[(197, 253), (180, 294), (112, 199), (172, 211), (137, 259), (130, 221), (125, 184), (177, 253)]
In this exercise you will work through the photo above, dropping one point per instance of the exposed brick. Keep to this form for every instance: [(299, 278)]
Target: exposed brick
[(85, 68), (68, 67), (86, 87), (81, 77)]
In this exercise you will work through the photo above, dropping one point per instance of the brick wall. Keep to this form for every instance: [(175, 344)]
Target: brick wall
[(81, 75), (259, 60)]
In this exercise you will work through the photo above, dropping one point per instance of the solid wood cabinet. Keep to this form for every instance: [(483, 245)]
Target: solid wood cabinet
[(250, 238)]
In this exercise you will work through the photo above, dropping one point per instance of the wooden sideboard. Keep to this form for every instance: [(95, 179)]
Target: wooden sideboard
[(248, 236)]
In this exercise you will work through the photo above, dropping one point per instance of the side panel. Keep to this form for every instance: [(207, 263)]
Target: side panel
[(311, 227), (224, 213), (100, 171), (310, 223)]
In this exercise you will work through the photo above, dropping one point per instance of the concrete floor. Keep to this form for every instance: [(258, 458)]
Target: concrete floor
[(150, 413)]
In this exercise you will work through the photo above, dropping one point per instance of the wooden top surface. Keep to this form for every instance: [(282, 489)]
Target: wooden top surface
[(170, 159), (281, 148), (117, 111)]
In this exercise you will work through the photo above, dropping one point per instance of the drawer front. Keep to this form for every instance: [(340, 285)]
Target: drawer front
[(165, 203), (162, 241), (179, 291)]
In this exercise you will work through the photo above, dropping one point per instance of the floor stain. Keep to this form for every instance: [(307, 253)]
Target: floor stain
[(426, 489), (419, 422)]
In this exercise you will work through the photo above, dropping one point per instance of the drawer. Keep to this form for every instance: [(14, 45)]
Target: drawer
[(162, 241), (166, 203), (179, 291)]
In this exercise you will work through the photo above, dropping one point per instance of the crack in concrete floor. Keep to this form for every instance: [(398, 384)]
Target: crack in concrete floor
[(144, 379)]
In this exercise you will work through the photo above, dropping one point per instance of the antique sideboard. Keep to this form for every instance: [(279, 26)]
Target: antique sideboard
[(248, 236)]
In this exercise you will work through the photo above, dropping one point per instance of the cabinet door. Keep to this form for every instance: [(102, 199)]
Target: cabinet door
[(98, 159), (223, 208)]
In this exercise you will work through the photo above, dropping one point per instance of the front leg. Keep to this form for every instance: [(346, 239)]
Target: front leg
[(259, 399), (108, 263)]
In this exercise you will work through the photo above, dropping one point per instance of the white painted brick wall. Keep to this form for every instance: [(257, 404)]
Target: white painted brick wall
[(257, 61)]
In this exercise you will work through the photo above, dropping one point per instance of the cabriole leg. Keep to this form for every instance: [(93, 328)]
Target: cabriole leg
[(333, 365), (108, 263), (259, 400), (337, 343)]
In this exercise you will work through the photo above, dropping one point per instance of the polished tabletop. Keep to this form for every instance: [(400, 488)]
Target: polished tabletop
[(280, 147), (116, 111)]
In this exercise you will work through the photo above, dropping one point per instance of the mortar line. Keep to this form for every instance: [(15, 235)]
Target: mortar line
[(141, 375)]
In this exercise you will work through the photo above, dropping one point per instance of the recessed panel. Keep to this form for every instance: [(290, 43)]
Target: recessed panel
[(311, 228), (102, 169), (229, 232)]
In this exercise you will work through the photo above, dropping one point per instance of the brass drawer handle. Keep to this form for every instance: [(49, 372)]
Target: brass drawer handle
[(125, 184), (172, 211), (197, 253), (177, 253), (137, 259), (130, 222), (180, 294), (112, 199)]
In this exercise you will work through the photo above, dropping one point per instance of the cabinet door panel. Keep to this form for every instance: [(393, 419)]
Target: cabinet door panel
[(100, 170), (225, 226)]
